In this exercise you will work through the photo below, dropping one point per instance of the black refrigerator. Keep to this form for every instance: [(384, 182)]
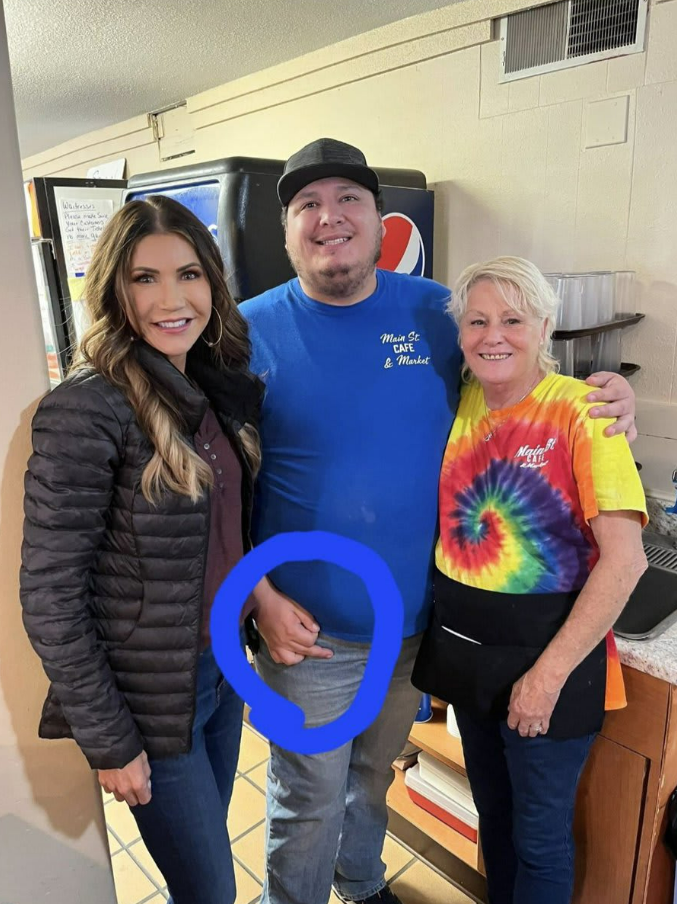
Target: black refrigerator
[(236, 198), (66, 217)]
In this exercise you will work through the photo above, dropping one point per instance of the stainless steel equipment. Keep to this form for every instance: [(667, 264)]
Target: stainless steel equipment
[(652, 607)]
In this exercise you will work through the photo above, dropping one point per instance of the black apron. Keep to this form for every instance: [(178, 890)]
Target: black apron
[(497, 638)]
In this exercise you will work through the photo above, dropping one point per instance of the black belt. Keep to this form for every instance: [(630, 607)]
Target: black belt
[(479, 643)]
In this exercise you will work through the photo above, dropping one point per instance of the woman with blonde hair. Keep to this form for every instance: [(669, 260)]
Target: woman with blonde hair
[(539, 549), (138, 502)]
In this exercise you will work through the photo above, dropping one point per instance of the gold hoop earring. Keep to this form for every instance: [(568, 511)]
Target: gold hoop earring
[(216, 341)]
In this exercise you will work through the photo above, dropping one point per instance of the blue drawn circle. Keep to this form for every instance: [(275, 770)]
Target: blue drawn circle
[(274, 716)]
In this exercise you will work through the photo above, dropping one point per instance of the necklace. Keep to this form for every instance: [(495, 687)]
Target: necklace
[(495, 427)]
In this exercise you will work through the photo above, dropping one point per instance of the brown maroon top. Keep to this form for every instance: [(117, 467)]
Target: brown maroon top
[(225, 549)]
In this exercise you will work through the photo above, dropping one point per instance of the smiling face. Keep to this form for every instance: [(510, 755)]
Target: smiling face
[(169, 294), (333, 239), (500, 344)]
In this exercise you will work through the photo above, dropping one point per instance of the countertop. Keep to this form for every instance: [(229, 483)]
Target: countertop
[(657, 657)]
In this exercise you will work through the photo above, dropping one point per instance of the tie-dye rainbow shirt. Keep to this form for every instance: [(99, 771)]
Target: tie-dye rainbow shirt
[(518, 489)]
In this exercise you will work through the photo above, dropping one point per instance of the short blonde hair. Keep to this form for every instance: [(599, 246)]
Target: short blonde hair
[(524, 289)]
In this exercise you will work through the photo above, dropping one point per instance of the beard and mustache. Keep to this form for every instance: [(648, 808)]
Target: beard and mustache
[(342, 280)]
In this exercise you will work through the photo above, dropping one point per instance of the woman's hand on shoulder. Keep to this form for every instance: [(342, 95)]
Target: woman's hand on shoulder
[(131, 783), (531, 705)]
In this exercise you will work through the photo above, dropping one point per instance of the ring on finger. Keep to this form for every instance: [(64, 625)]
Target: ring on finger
[(538, 728)]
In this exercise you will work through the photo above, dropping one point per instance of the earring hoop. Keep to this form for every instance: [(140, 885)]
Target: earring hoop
[(216, 341)]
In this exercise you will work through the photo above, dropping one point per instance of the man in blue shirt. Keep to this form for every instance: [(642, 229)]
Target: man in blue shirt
[(361, 369)]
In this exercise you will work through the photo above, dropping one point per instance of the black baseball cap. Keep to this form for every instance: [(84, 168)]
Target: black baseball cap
[(322, 159)]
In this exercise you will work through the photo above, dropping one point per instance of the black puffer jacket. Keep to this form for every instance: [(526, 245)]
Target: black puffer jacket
[(111, 586)]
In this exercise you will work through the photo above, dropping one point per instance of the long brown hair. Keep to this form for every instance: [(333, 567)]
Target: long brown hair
[(107, 345)]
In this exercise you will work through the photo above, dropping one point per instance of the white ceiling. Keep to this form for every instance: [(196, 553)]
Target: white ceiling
[(79, 65)]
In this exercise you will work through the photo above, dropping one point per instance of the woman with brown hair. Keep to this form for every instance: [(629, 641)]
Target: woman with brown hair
[(138, 501)]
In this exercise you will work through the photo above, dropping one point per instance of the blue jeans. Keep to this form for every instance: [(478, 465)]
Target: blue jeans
[(525, 791), (327, 813), (184, 825)]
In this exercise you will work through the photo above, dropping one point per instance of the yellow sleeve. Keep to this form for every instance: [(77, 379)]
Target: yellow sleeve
[(605, 471)]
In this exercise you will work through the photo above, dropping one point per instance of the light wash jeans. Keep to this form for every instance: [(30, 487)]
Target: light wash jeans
[(327, 814)]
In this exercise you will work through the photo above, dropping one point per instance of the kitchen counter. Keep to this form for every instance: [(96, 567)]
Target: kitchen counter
[(657, 657)]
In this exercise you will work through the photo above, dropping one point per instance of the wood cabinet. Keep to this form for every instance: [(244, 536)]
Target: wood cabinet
[(608, 816), (621, 809)]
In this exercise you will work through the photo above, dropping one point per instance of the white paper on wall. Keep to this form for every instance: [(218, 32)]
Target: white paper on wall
[(82, 222), (112, 169)]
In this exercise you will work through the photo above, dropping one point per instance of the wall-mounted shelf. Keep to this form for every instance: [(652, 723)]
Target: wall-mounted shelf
[(619, 324), (627, 369)]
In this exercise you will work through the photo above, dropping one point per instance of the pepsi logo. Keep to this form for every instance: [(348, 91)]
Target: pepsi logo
[(403, 250)]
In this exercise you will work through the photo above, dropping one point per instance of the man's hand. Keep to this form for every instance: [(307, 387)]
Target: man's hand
[(614, 389), (289, 630), (131, 783)]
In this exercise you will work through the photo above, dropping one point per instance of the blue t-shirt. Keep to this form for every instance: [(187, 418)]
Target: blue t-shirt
[(358, 407)]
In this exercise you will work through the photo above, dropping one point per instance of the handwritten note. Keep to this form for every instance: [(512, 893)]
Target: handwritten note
[(82, 223)]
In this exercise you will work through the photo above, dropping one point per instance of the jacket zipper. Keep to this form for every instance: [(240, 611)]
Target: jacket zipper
[(199, 618)]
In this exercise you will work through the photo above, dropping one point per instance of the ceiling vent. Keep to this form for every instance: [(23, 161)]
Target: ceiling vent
[(569, 33)]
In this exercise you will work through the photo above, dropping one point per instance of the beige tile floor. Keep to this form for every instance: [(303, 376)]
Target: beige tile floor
[(138, 880)]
